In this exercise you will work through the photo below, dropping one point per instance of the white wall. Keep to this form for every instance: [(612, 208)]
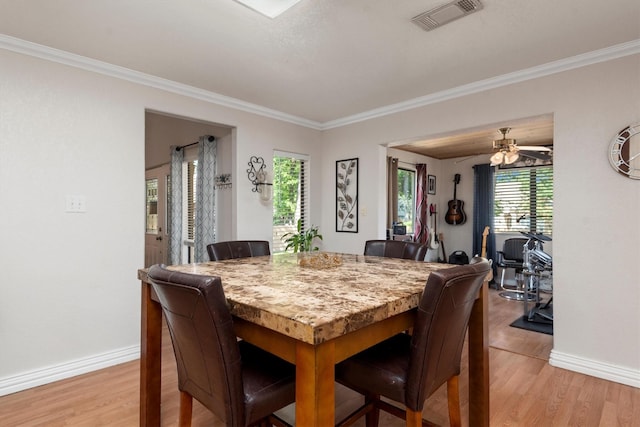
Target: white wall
[(69, 295), (68, 288), (596, 227)]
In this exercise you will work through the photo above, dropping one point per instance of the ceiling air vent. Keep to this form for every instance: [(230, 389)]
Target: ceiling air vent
[(446, 13)]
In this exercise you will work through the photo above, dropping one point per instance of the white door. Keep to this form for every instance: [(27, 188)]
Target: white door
[(156, 239)]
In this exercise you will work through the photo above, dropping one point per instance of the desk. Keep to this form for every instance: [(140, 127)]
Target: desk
[(315, 318)]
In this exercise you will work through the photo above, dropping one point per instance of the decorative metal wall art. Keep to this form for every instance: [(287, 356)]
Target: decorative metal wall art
[(347, 195), (257, 174)]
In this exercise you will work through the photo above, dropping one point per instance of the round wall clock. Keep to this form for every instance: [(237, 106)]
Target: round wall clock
[(624, 152)]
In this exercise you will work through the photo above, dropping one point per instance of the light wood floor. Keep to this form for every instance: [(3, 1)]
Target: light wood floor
[(525, 391)]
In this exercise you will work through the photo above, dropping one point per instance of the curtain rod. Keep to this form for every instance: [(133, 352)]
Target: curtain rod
[(180, 147)]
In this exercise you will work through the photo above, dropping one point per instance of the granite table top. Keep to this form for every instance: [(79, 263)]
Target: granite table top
[(313, 304)]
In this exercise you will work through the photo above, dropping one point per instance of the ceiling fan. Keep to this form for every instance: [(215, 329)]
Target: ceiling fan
[(509, 152)]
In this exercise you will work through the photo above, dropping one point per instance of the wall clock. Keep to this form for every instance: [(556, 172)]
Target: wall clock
[(624, 152)]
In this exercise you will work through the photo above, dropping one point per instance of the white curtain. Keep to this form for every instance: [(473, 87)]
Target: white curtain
[(175, 207), (205, 198)]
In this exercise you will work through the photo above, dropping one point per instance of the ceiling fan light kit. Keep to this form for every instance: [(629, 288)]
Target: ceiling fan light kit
[(511, 157), (509, 152), (504, 158), (497, 158)]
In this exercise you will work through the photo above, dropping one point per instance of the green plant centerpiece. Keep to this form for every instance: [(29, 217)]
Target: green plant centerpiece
[(302, 241)]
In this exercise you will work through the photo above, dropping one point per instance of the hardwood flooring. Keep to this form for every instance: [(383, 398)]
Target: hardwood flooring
[(525, 391), (502, 313)]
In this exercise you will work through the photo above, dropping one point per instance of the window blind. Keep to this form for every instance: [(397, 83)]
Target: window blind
[(524, 200)]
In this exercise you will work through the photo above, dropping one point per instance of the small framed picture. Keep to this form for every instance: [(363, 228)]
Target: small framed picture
[(431, 184)]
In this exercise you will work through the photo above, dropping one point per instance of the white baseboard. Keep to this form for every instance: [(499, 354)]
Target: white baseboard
[(595, 369), (50, 374)]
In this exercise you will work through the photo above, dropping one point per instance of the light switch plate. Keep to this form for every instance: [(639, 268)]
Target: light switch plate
[(76, 204)]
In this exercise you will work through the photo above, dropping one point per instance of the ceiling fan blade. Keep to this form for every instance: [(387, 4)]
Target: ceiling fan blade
[(534, 148), (540, 155)]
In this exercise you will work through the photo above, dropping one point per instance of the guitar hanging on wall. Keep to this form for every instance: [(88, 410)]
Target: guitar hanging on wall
[(455, 215)]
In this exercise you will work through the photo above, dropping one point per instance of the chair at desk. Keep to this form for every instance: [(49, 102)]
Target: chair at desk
[(240, 383), (409, 368), (237, 249), (511, 257), (395, 249)]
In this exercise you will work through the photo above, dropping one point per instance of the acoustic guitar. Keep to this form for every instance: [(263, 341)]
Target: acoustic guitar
[(483, 254), (455, 215)]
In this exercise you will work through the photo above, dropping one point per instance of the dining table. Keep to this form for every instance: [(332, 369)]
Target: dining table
[(315, 310)]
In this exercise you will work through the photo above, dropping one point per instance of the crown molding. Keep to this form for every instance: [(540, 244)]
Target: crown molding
[(78, 61), (570, 63)]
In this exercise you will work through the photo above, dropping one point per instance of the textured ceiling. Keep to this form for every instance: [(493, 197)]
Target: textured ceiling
[(322, 60)]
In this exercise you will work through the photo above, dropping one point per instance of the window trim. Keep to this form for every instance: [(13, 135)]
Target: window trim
[(305, 193)]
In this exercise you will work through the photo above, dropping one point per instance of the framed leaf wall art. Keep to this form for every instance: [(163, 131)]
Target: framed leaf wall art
[(347, 195)]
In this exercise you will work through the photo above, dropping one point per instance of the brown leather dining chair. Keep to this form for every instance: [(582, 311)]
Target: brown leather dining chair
[(240, 383), (237, 249), (395, 249), (409, 368)]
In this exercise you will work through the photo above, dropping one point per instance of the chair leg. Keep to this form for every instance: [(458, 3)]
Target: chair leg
[(414, 418), (453, 398), (373, 416), (186, 407)]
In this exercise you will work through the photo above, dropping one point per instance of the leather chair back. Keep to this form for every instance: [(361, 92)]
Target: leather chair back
[(201, 327), (395, 249), (512, 249), (440, 328), (237, 249)]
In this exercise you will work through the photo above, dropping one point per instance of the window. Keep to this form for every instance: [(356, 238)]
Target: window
[(189, 179), (406, 198), (524, 200), (290, 195)]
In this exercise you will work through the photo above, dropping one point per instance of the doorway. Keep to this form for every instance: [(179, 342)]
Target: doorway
[(156, 241), (162, 132)]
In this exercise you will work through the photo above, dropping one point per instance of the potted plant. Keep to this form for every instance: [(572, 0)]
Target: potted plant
[(302, 241)]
